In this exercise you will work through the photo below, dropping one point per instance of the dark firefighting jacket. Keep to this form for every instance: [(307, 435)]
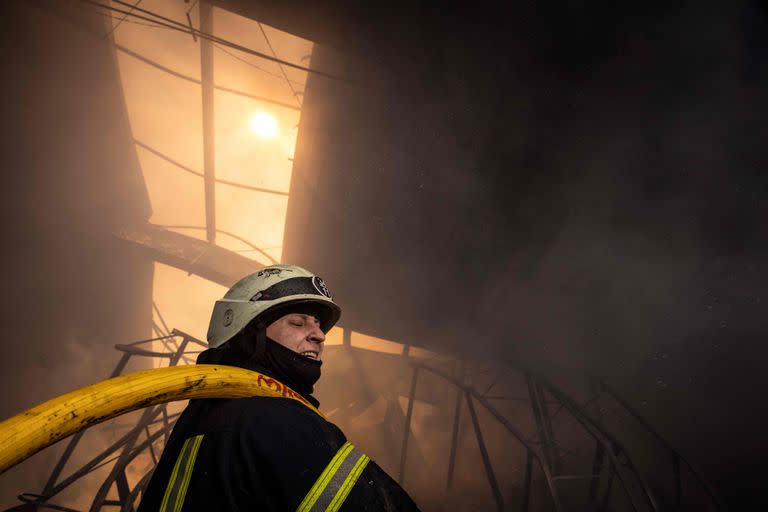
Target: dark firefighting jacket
[(265, 454)]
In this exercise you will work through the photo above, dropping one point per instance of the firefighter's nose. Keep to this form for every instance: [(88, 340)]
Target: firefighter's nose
[(317, 335)]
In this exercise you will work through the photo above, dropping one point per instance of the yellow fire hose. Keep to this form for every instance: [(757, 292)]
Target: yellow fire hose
[(39, 427)]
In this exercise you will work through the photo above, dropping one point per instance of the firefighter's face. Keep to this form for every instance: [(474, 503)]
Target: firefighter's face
[(300, 333)]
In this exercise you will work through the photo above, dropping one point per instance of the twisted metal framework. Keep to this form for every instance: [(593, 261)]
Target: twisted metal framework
[(147, 437), (611, 478), (582, 467)]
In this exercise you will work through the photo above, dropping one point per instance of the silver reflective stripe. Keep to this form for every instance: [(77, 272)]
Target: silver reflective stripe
[(337, 480), (182, 473)]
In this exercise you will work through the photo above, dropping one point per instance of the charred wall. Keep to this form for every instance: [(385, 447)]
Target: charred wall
[(69, 174)]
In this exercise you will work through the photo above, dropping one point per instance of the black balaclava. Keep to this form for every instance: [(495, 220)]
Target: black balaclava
[(295, 370), (252, 346)]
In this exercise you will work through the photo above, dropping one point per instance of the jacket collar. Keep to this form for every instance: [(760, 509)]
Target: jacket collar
[(220, 356)]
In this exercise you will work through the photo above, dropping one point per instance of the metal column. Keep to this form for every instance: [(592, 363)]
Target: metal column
[(206, 74), (408, 418), (543, 424), (484, 454), (455, 433)]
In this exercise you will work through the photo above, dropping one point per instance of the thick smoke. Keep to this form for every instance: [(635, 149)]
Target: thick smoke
[(573, 187)]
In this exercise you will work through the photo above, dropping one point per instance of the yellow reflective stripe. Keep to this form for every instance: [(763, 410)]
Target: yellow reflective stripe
[(174, 473), (349, 483), (188, 473), (176, 489), (325, 477)]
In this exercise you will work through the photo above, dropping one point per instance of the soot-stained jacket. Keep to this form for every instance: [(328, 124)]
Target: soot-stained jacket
[(266, 454)]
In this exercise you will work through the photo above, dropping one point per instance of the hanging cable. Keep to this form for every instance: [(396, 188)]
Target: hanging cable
[(282, 70), (170, 71), (198, 173), (114, 27), (180, 27), (245, 61)]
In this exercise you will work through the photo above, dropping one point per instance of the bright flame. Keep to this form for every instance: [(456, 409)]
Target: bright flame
[(264, 125)]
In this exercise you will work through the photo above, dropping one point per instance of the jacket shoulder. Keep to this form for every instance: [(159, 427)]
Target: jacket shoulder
[(287, 420)]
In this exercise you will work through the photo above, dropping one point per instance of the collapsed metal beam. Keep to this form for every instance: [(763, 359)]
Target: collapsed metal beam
[(608, 449), (528, 480), (543, 424), (677, 457), (484, 453), (118, 470), (510, 428), (612, 445), (599, 459), (189, 254), (455, 433), (51, 483), (54, 487), (407, 432)]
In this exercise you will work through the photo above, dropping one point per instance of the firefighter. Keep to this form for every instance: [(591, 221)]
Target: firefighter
[(260, 453)]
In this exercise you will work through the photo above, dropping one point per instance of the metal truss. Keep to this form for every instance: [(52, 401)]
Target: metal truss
[(148, 436), (606, 479), (580, 448)]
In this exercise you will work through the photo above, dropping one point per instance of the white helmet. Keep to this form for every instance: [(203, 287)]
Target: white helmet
[(265, 290)]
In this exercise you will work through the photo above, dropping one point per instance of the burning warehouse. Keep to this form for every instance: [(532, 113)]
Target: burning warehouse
[(306, 255)]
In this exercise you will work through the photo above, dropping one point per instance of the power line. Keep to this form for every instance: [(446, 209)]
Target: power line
[(180, 27), (245, 61), (112, 30), (192, 6), (282, 70), (283, 76), (198, 173), (124, 20), (196, 81), (217, 46)]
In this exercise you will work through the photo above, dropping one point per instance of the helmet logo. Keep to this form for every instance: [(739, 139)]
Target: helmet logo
[(228, 317), (272, 271), (320, 286)]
